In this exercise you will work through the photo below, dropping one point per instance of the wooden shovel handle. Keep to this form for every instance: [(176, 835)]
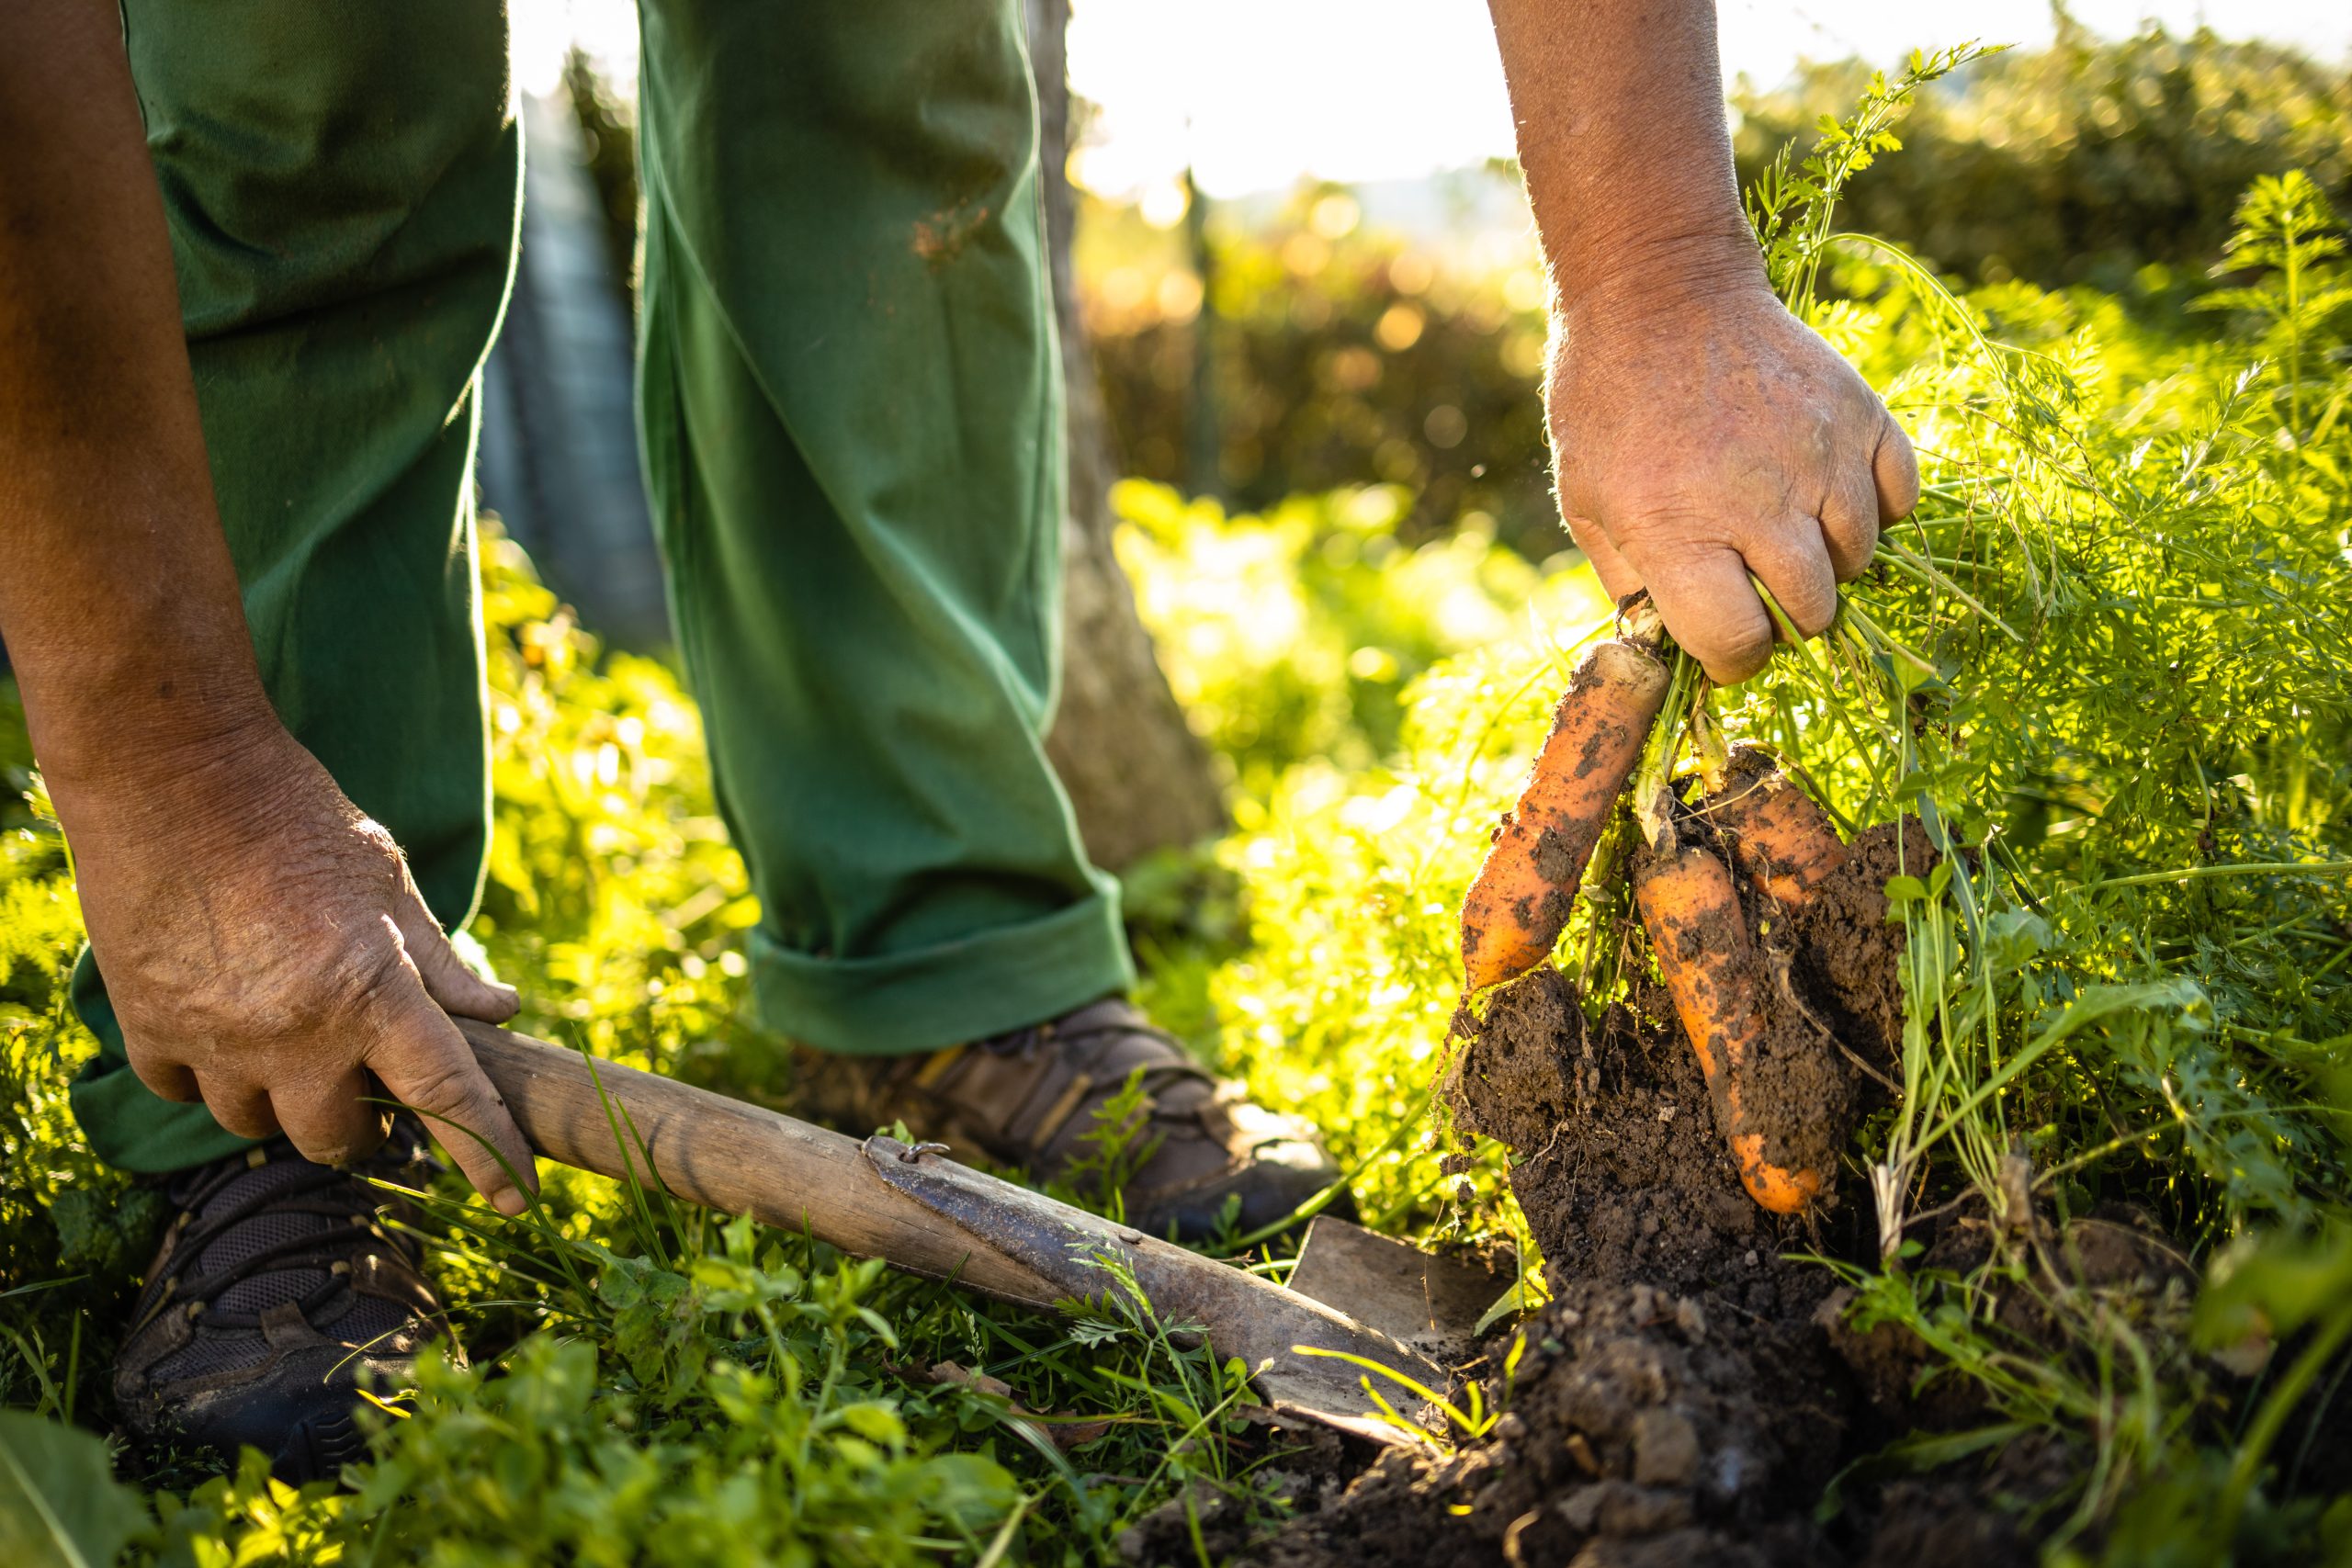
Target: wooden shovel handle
[(929, 1216), (728, 1155)]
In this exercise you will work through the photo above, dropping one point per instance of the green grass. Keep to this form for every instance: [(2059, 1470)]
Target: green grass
[(2108, 657)]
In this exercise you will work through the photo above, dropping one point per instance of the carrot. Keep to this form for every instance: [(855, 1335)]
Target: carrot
[(1699, 936), (1781, 839), (1524, 892)]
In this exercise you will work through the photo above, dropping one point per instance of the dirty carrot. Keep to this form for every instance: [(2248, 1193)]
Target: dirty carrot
[(1691, 909), (1524, 890), (1781, 839)]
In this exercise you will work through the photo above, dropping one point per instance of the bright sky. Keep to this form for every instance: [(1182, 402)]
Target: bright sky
[(1256, 94)]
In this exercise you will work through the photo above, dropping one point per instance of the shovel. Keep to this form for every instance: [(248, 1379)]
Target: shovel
[(1354, 1292)]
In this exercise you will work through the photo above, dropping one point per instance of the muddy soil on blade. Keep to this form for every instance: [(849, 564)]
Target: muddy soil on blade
[(1687, 1395)]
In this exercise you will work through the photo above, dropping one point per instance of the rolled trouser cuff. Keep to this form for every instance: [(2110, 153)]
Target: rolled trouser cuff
[(1002, 979)]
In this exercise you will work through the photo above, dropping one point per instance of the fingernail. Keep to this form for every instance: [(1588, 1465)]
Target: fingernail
[(508, 1202)]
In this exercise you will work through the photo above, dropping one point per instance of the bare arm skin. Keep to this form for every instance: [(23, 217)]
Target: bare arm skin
[(1700, 432), (263, 944)]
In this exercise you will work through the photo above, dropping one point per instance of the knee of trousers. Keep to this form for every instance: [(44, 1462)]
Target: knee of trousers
[(310, 155)]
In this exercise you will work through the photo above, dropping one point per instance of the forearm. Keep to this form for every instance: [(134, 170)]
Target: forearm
[(117, 598), (1625, 148)]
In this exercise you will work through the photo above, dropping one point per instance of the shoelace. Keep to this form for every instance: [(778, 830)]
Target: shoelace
[(334, 1251), (1045, 1124), (1026, 1041)]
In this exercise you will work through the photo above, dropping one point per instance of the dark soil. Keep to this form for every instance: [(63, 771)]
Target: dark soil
[(1689, 1392), (1640, 1431), (1846, 955), (1622, 1174)]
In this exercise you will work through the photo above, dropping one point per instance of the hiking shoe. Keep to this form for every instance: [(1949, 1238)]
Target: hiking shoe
[(279, 1293), (1190, 1157)]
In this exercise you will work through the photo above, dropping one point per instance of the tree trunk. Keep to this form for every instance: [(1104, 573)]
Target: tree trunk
[(1138, 779)]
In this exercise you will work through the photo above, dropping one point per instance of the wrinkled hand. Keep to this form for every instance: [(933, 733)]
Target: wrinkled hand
[(267, 952), (1700, 439)]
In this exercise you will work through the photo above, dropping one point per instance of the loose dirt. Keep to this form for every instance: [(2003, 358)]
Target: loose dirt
[(1691, 1390)]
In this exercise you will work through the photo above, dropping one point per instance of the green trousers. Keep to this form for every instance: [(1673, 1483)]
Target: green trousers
[(851, 417)]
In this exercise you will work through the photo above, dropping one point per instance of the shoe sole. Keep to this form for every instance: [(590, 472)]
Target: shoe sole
[(317, 1447)]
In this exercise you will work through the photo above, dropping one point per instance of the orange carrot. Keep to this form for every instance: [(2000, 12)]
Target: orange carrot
[(1781, 839), (1522, 898), (1699, 936)]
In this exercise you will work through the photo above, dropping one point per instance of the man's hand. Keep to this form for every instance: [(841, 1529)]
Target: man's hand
[(1705, 437), (267, 952), (1700, 432)]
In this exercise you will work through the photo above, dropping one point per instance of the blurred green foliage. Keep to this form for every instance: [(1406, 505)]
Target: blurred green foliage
[(1289, 635), (611, 880), (1333, 355), (2084, 161), (607, 125)]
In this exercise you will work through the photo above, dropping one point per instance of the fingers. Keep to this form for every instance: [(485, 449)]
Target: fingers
[(171, 1080), (1616, 576), (426, 1063), (1895, 469), (329, 1122), (1712, 610), (1848, 523), (1792, 561), (241, 1108), (447, 979)]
